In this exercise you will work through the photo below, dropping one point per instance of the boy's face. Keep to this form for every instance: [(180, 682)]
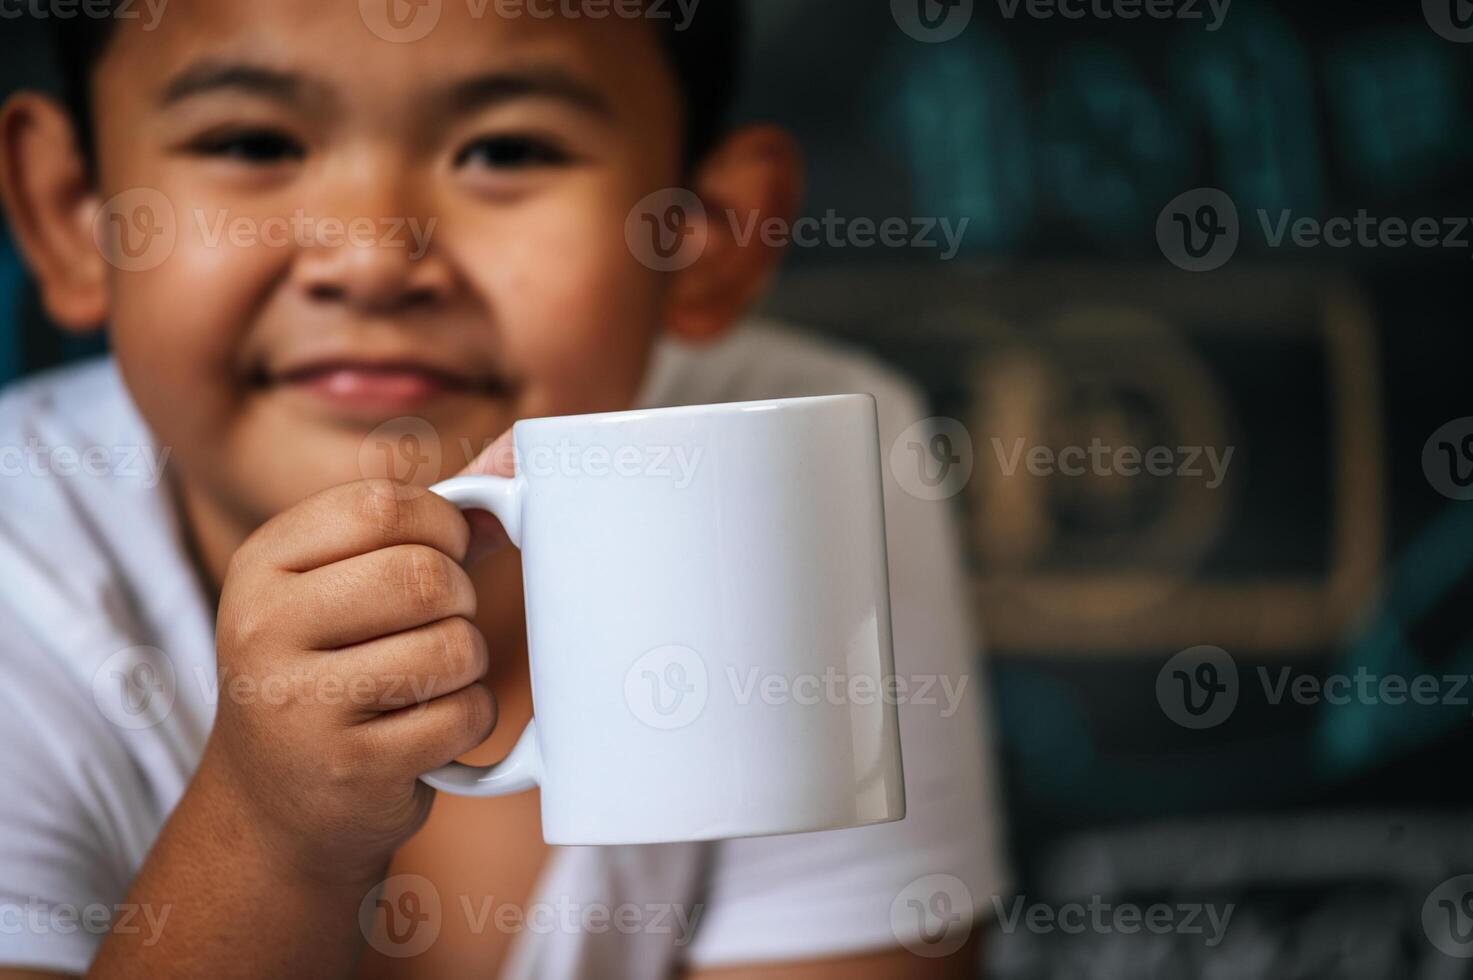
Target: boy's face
[(484, 171)]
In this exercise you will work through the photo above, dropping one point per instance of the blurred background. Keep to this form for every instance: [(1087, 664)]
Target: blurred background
[(1193, 674)]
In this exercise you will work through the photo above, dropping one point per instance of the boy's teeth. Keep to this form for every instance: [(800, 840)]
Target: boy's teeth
[(351, 380), (355, 383)]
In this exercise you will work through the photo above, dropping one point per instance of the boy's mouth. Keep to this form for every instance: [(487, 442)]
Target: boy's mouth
[(377, 389)]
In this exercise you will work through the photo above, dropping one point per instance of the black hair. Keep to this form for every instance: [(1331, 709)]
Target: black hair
[(704, 51)]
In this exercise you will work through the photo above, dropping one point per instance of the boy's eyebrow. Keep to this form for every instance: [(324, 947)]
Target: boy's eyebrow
[(499, 87), (211, 76)]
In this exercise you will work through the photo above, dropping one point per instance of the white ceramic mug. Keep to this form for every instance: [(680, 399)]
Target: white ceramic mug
[(708, 622)]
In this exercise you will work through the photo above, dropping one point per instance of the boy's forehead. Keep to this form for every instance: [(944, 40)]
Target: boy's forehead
[(396, 44)]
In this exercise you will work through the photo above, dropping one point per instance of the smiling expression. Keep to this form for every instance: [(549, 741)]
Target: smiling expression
[(488, 169)]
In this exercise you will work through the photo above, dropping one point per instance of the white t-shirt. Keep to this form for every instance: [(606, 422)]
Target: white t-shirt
[(98, 738)]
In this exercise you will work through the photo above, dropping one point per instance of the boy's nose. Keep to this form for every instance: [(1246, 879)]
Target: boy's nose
[(375, 273)]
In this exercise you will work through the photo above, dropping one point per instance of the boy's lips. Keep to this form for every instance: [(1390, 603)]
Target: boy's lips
[(373, 389)]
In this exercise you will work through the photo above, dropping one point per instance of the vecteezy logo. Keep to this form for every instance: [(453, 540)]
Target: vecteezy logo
[(667, 230), (932, 459), (1456, 458), (401, 922), (1447, 916), (406, 450), (667, 237), (941, 450), (401, 917), (932, 21), (140, 684), (1208, 223), (932, 916), (147, 225), (934, 14), (135, 230), (135, 687), (1451, 19), (1198, 688), (400, 21), (666, 688), (1447, 459), (1198, 230)]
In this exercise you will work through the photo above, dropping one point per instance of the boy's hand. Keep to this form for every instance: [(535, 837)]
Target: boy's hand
[(348, 618)]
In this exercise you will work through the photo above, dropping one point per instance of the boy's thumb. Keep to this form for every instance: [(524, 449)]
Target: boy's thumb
[(487, 536)]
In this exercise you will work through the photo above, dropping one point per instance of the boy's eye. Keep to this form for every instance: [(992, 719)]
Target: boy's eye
[(511, 153), (252, 146)]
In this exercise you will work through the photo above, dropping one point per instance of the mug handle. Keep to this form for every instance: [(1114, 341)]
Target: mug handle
[(522, 768)]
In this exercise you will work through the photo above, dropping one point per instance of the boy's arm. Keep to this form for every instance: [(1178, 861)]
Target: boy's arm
[(299, 801), (234, 908)]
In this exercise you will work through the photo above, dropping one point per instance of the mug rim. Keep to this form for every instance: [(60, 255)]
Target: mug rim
[(676, 411)]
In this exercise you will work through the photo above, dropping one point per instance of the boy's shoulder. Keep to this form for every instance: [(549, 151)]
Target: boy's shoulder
[(72, 442), (85, 522), (765, 359), (71, 407)]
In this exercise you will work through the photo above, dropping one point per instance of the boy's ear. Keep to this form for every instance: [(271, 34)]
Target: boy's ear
[(752, 177), (50, 205)]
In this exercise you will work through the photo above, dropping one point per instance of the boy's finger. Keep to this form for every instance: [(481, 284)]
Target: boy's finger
[(428, 735), (412, 667), (487, 535), (355, 519), (378, 594)]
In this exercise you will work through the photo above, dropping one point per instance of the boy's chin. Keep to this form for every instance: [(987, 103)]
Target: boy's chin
[(281, 464), (377, 436)]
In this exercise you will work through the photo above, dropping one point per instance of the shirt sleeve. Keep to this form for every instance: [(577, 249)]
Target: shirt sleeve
[(850, 891), (60, 883)]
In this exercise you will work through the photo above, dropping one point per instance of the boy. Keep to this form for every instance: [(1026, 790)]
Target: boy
[(247, 834)]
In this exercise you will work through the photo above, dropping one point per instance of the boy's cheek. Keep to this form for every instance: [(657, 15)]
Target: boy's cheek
[(571, 309), (581, 335), (184, 322)]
